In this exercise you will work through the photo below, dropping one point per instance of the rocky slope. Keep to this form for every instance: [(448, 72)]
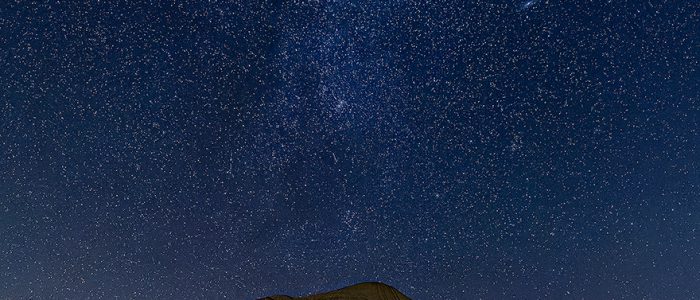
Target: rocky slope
[(362, 291)]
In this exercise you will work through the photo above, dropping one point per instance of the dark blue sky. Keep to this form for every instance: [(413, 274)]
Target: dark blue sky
[(452, 149)]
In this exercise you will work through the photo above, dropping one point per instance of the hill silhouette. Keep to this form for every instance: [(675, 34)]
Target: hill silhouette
[(362, 291)]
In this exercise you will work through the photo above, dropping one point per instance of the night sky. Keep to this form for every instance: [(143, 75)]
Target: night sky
[(452, 149)]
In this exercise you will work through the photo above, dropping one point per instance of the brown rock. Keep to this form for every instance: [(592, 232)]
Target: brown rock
[(362, 291)]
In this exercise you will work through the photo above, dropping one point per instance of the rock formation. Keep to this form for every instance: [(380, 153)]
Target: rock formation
[(362, 291)]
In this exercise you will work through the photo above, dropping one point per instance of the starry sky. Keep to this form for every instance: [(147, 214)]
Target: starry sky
[(452, 149)]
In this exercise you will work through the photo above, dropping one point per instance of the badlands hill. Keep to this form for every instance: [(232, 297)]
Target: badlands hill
[(362, 291)]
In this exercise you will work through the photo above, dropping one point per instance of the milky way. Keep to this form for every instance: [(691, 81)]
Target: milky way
[(451, 149)]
